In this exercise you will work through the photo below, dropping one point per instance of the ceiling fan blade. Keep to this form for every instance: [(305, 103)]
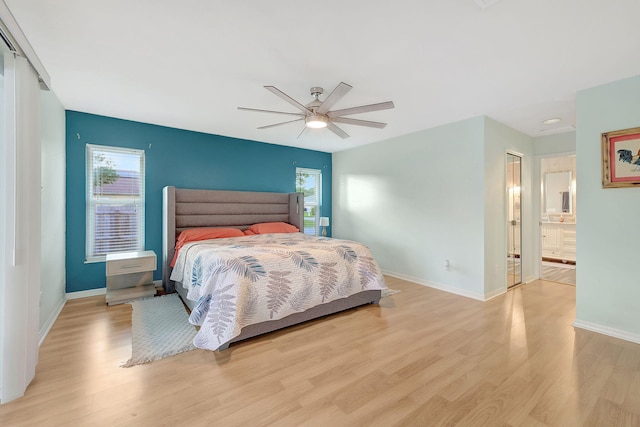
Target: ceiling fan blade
[(361, 109), (335, 96), (269, 111), (304, 131), (279, 124), (335, 129), (349, 121), (287, 98)]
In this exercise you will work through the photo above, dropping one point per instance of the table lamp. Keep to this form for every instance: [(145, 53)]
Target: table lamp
[(324, 223)]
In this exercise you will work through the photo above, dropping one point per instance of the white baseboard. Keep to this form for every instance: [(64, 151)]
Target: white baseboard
[(85, 294), (606, 330), (51, 320), (96, 292), (494, 294), (439, 286)]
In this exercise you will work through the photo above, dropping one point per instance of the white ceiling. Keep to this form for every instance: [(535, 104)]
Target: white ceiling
[(189, 64)]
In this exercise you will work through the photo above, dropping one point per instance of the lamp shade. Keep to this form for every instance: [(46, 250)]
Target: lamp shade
[(324, 221)]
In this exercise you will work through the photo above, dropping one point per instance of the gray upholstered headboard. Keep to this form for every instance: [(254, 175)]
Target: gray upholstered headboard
[(184, 208)]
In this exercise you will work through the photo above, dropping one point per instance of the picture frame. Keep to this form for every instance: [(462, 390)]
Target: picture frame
[(621, 158)]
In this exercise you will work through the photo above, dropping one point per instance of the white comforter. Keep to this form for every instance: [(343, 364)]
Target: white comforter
[(245, 280)]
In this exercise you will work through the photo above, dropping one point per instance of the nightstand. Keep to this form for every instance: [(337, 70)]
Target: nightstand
[(130, 276)]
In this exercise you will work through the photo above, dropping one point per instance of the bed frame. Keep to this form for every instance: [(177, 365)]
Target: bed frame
[(187, 208)]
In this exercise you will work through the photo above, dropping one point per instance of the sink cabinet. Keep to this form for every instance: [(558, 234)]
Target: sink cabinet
[(559, 241)]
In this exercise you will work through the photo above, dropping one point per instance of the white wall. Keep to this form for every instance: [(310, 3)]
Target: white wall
[(608, 284), (553, 144), (419, 199), (52, 297)]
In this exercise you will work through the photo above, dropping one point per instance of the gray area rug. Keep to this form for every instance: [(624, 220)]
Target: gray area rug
[(160, 328), (557, 272)]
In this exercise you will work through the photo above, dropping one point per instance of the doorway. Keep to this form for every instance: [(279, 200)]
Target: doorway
[(514, 224), (558, 220)]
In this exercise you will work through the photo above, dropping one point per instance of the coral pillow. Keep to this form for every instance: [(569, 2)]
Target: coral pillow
[(195, 234), (248, 232), (273, 227)]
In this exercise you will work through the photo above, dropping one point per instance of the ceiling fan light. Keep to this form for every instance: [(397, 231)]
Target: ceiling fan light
[(316, 121)]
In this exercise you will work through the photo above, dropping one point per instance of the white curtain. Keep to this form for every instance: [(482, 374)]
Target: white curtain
[(20, 202)]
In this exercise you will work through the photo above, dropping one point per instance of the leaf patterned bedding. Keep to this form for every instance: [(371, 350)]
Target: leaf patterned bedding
[(246, 280)]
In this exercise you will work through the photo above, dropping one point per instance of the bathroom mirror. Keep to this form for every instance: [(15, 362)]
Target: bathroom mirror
[(557, 193)]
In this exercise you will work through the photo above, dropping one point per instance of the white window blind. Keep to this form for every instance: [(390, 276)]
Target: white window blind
[(309, 182), (115, 201)]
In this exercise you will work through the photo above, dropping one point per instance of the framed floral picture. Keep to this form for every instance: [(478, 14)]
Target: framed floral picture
[(621, 158)]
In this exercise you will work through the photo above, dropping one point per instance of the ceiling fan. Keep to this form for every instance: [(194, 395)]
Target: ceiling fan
[(317, 114)]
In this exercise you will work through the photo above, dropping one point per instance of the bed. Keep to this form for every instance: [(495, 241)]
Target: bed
[(240, 287)]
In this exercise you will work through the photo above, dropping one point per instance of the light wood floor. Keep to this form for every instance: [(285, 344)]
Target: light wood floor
[(422, 358)]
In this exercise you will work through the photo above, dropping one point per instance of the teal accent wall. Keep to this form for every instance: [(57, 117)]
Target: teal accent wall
[(175, 157)]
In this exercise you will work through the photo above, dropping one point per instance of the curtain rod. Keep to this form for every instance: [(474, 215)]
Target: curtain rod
[(15, 39)]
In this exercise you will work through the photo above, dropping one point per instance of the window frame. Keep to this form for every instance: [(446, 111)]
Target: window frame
[(318, 202), (93, 202)]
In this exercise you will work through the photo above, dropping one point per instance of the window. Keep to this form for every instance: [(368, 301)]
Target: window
[(308, 181), (115, 201)]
